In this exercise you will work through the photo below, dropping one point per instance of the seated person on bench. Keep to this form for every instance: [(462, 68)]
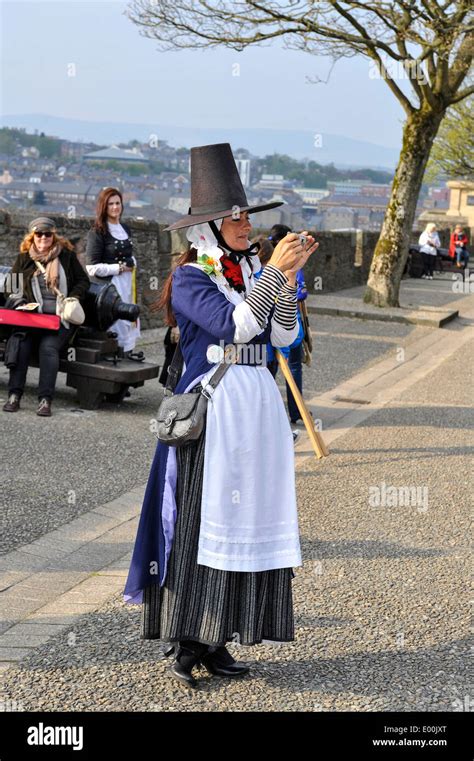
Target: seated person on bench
[(63, 271), (458, 247)]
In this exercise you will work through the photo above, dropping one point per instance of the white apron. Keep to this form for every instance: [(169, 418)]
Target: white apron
[(248, 510), (127, 332)]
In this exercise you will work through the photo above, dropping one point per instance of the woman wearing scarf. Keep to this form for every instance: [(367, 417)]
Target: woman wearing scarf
[(218, 533), (64, 272), (458, 247)]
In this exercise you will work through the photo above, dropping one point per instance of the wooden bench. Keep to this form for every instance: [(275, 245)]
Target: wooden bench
[(95, 378), (444, 263)]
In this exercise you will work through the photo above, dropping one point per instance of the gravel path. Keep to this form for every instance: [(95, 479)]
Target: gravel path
[(381, 601), (107, 452)]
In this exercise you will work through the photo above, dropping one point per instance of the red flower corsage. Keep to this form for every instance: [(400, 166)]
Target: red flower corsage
[(232, 273)]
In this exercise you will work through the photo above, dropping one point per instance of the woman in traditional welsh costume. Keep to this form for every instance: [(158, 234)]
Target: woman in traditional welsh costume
[(110, 257), (218, 534)]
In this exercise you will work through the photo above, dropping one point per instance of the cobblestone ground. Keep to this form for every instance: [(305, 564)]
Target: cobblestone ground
[(381, 601), (109, 451)]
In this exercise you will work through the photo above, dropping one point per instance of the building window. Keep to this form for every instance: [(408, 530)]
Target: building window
[(470, 200)]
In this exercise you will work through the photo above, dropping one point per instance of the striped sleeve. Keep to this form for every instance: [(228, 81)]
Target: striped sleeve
[(285, 310), (263, 295), (285, 326)]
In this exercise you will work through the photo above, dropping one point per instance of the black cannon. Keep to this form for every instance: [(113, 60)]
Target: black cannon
[(92, 360), (103, 306)]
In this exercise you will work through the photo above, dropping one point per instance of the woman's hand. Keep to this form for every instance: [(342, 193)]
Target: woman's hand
[(306, 252), (287, 252)]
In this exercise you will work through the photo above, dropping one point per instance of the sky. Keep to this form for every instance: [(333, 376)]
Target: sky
[(118, 75)]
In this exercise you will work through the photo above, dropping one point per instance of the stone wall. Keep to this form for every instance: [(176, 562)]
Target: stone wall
[(342, 260)]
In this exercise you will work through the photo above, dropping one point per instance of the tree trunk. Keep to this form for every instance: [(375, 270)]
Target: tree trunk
[(391, 251)]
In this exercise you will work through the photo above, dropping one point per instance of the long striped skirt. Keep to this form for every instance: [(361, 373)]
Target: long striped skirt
[(205, 604)]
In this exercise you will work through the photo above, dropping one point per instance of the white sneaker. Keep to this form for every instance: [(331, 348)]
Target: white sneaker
[(296, 435)]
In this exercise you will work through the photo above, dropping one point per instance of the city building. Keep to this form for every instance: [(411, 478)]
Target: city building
[(346, 211), (117, 154), (272, 182), (5, 178), (53, 192), (459, 210), (461, 201), (243, 167)]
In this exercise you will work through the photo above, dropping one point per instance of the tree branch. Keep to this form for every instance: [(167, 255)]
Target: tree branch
[(463, 94), (461, 64), (339, 27)]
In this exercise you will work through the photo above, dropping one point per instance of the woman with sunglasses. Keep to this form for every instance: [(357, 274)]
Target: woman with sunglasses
[(64, 272)]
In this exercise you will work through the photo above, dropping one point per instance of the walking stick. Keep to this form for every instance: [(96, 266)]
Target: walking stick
[(316, 439), (307, 330)]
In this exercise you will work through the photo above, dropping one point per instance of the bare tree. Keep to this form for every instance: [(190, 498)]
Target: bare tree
[(423, 50)]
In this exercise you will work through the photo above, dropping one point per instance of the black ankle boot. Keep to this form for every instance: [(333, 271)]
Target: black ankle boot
[(218, 661), (188, 655)]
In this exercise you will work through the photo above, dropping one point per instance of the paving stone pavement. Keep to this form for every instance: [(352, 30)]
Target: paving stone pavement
[(381, 600)]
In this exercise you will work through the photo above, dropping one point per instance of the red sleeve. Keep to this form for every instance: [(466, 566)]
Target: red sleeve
[(452, 252)]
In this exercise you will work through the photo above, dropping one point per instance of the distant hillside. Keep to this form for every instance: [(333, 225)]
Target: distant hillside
[(344, 152)]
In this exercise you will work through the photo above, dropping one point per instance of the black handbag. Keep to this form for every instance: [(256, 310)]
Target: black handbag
[(12, 349), (180, 417)]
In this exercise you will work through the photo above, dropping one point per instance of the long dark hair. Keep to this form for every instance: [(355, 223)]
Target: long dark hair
[(100, 223), (163, 302)]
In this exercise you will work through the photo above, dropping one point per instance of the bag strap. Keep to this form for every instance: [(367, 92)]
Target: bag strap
[(176, 367), (174, 370), (221, 370), (42, 269)]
